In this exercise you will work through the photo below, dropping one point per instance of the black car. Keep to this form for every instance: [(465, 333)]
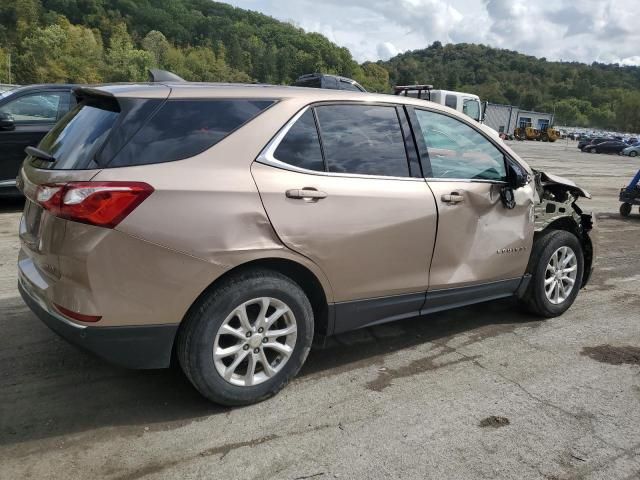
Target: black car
[(26, 115), (582, 144), (334, 82), (609, 146)]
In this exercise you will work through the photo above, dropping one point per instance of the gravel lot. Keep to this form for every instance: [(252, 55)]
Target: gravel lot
[(482, 392)]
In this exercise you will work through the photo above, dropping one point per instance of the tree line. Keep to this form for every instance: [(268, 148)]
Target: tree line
[(93, 41), (597, 95)]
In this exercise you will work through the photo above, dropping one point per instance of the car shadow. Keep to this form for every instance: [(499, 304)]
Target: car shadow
[(11, 204), (52, 389)]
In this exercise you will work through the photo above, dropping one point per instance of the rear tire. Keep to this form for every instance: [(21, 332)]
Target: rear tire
[(625, 209), (215, 325), (556, 261)]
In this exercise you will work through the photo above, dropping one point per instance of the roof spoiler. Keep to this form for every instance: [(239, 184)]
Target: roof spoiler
[(157, 75)]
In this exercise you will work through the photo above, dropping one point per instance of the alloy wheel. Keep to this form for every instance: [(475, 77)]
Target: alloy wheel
[(560, 275), (255, 341)]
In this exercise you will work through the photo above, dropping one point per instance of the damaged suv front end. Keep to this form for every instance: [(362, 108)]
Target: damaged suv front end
[(556, 208)]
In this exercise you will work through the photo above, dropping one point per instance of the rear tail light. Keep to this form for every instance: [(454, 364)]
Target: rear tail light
[(77, 316), (104, 204)]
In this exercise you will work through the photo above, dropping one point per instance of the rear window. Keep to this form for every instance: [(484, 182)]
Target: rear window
[(314, 82), (451, 101), (100, 133), (183, 128), (76, 138)]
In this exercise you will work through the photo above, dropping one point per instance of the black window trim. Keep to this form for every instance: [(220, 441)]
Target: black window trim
[(267, 157), (423, 152)]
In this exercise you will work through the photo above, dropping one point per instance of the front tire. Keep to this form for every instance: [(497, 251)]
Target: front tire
[(556, 267), (245, 339), (633, 153), (625, 209)]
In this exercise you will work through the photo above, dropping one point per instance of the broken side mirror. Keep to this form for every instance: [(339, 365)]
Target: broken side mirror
[(7, 122), (517, 176)]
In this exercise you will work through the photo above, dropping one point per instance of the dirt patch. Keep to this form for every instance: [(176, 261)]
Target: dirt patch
[(222, 450), (613, 355), (386, 376), (494, 422)]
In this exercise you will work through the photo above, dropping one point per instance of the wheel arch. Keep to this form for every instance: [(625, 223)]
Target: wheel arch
[(303, 276), (567, 224)]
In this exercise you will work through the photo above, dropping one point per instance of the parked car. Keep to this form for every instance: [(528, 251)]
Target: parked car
[(233, 224), (26, 115), (583, 144), (632, 151), (609, 146), (333, 82)]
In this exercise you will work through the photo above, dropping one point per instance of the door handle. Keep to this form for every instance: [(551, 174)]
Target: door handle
[(306, 194), (452, 198)]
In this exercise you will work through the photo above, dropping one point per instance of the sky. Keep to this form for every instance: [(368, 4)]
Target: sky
[(605, 31)]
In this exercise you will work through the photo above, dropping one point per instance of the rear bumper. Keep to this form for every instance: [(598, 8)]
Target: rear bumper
[(8, 188), (137, 347)]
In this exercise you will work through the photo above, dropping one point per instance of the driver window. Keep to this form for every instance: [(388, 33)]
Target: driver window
[(32, 108), (458, 151)]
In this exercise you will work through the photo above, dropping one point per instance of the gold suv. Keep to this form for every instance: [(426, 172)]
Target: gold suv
[(233, 224)]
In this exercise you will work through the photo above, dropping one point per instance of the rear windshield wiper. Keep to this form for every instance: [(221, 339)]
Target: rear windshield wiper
[(40, 154)]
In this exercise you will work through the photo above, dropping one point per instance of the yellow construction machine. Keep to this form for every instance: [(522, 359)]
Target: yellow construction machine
[(547, 134)]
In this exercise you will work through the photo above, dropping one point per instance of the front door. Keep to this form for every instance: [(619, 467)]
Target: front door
[(34, 115), (479, 239), (352, 205)]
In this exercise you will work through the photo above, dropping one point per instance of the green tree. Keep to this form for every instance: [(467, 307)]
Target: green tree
[(124, 62), (60, 53), (157, 45), (373, 77)]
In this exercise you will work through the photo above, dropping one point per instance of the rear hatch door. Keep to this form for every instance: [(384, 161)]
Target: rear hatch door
[(81, 144)]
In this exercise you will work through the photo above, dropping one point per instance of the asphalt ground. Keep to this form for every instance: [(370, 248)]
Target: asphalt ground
[(479, 392)]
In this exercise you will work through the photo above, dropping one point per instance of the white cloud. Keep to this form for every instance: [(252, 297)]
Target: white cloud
[(386, 50), (587, 31)]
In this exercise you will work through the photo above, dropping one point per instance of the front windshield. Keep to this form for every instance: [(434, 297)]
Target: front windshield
[(472, 109)]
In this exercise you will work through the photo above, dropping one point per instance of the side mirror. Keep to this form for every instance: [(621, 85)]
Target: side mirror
[(517, 176), (7, 122), (485, 104)]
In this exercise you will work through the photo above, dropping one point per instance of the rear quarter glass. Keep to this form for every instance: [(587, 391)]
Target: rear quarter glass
[(101, 133), (183, 128)]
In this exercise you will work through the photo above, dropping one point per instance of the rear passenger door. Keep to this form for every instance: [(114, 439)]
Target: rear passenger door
[(480, 241), (341, 188)]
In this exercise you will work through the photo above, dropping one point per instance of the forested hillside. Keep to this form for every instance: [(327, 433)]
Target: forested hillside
[(90, 41), (586, 95), (117, 40)]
